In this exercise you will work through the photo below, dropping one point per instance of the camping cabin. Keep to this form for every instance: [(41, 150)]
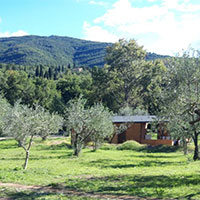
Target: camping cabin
[(137, 130)]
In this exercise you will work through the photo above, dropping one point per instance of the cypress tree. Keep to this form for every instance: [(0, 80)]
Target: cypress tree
[(59, 69), (41, 71), (50, 73), (55, 76), (63, 68), (37, 71)]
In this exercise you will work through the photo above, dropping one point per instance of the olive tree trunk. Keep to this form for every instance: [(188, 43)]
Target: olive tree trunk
[(27, 150), (26, 160), (196, 148)]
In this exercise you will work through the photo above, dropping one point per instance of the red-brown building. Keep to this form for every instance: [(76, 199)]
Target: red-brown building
[(137, 130)]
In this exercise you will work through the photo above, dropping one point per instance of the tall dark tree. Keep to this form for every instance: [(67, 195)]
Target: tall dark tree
[(41, 71), (133, 81), (50, 74), (37, 71), (63, 68), (59, 69)]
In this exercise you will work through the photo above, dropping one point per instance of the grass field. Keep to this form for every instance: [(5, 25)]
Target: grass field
[(145, 173)]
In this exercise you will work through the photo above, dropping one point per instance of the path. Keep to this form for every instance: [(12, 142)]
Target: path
[(68, 192)]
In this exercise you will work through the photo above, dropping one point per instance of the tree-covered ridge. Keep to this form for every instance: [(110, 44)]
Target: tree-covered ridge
[(54, 50)]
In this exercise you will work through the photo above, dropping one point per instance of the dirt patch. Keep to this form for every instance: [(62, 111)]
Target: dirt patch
[(61, 189)]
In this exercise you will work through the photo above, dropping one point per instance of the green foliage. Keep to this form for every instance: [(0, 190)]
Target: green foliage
[(54, 50), (73, 85), (130, 145), (181, 95), (16, 85), (4, 108), (128, 111), (93, 123), (107, 146), (23, 123), (125, 111), (101, 124), (45, 93), (133, 81)]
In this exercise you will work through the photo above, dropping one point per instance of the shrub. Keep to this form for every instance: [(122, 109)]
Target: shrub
[(107, 146), (162, 148), (130, 145)]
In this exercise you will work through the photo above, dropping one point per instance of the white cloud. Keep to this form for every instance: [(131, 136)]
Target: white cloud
[(97, 33), (14, 34), (163, 28)]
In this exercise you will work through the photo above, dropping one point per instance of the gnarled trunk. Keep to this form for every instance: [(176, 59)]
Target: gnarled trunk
[(196, 148), (77, 145), (77, 148), (185, 146)]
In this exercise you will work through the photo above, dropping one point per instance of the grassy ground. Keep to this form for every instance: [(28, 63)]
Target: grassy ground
[(154, 173)]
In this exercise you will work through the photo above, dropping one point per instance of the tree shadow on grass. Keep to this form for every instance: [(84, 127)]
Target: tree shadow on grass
[(4, 145), (61, 146), (106, 163), (24, 195), (141, 186), (155, 156), (161, 149), (146, 164), (66, 155)]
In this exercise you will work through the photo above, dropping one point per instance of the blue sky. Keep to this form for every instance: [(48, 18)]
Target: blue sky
[(161, 26)]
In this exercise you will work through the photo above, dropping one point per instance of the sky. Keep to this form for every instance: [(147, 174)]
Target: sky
[(161, 26)]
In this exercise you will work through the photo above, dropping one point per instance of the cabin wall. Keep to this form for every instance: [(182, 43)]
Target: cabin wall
[(157, 142), (137, 132), (114, 139)]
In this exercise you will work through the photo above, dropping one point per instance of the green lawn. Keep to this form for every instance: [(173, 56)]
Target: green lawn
[(141, 173)]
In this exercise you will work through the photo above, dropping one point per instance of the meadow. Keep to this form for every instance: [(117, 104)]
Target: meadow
[(127, 170)]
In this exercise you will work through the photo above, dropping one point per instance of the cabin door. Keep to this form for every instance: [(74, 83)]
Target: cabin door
[(122, 137)]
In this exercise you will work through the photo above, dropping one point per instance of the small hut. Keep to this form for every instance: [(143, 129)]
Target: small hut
[(137, 130)]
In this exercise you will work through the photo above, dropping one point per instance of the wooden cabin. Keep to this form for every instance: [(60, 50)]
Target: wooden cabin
[(137, 130)]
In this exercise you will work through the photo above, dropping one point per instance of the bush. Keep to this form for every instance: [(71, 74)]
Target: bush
[(130, 145), (162, 149), (107, 146)]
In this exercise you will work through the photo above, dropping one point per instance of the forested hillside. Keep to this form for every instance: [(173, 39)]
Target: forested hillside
[(54, 50)]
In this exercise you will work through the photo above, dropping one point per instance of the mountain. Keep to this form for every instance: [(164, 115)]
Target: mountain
[(54, 50)]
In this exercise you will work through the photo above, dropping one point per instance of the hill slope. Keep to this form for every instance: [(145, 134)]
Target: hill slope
[(54, 50)]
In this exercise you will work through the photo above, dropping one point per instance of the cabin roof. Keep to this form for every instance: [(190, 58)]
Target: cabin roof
[(135, 118)]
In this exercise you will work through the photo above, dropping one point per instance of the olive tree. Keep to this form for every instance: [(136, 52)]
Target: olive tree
[(182, 97), (49, 124), (85, 124), (23, 123), (101, 124), (4, 108)]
